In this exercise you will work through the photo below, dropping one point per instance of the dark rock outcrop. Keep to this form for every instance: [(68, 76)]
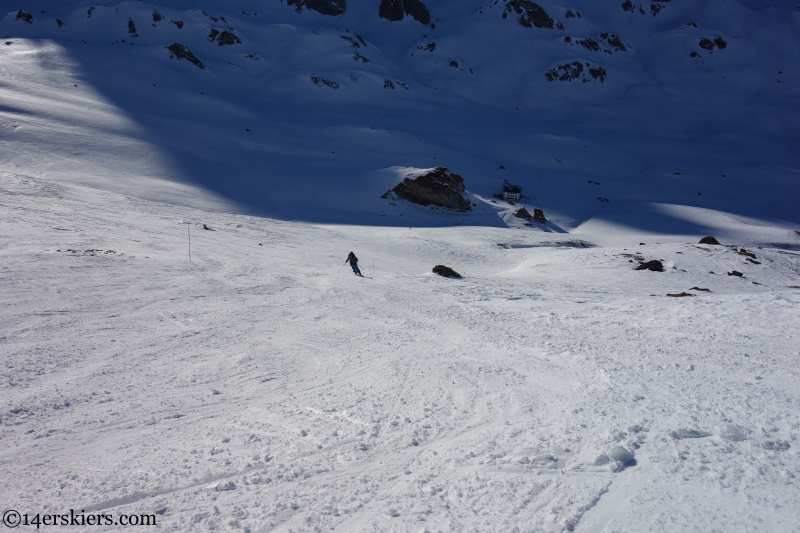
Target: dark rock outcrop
[(391, 10), (523, 213), (446, 271), (589, 44), (680, 294), (324, 7), (654, 265), (181, 52), (736, 273), (531, 14), (708, 240), (538, 216), (319, 81), (575, 71), (395, 10), (227, 37), (615, 42), (438, 187), (24, 16), (417, 10)]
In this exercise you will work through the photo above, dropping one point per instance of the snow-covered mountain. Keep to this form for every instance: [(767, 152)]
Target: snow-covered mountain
[(657, 102), (181, 180)]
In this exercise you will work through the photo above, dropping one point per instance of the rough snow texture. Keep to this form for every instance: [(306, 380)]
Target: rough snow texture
[(260, 388)]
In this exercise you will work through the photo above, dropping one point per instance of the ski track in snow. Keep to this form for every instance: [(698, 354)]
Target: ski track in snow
[(135, 381)]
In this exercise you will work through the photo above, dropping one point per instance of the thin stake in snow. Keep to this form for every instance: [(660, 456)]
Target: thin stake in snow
[(189, 233)]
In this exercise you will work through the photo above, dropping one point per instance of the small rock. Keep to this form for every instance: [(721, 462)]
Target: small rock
[(523, 213), (708, 240), (446, 271), (736, 273), (654, 265), (678, 295)]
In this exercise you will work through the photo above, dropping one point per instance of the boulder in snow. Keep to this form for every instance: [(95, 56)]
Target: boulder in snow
[(654, 265), (708, 240), (523, 213), (538, 216), (438, 187), (446, 271)]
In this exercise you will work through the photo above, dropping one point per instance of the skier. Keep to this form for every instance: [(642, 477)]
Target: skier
[(353, 260)]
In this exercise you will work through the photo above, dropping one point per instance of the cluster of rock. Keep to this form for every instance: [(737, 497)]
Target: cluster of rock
[(181, 52), (324, 7), (395, 10), (575, 71), (531, 15), (392, 10), (538, 215), (439, 187)]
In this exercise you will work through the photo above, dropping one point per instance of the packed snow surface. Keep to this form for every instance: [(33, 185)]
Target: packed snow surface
[(180, 336)]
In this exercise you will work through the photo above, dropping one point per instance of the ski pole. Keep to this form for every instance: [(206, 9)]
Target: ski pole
[(341, 267)]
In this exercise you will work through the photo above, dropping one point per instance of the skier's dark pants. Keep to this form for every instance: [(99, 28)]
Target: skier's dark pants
[(355, 268)]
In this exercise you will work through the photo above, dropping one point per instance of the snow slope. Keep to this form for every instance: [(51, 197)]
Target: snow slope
[(261, 387)]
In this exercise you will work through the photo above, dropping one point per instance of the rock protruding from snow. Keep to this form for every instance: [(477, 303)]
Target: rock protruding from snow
[(708, 240), (531, 14), (324, 7), (523, 213), (538, 216), (654, 265), (24, 16), (181, 52), (395, 10), (576, 71), (228, 38), (446, 271), (438, 186)]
